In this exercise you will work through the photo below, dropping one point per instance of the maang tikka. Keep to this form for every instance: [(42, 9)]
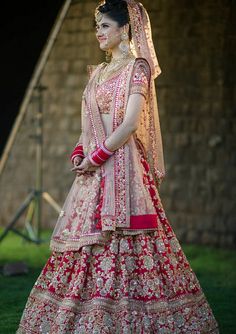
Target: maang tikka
[(98, 16)]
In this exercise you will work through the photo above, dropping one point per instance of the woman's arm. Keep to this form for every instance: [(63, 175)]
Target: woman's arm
[(123, 131), (139, 86), (130, 123)]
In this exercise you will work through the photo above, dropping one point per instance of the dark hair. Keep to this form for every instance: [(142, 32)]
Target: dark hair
[(116, 10)]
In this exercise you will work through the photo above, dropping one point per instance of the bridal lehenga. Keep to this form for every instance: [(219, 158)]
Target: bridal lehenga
[(116, 265)]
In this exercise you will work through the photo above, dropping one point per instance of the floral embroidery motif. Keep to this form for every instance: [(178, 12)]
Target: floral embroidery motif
[(128, 285), (140, 78), (104, 95), (125, 281)]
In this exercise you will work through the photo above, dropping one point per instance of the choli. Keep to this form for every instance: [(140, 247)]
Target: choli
[(139, 83), (104, 95)]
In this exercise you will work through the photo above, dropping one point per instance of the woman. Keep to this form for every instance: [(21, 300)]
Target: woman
[(116, 265)]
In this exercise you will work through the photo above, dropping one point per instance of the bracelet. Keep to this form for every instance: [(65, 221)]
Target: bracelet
[(77, 152), (100, 155)]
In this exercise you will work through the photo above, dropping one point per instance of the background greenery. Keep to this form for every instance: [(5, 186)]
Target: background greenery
[(215, 269)]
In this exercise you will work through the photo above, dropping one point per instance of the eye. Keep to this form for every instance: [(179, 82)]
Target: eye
[(104, 25)]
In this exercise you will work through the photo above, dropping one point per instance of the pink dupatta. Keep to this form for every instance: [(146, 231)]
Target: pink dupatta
[(123, 207)]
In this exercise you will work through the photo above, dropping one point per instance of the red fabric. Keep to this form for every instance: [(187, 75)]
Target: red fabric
[(142, 282), (99, 206), (143, 222)]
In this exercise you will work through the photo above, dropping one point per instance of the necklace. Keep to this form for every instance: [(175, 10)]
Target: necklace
[(114, 65)]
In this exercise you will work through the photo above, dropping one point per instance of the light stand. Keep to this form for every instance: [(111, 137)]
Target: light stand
[(34, 200)]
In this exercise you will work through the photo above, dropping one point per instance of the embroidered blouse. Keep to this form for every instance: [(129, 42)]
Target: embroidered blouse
[(140, 78), (139, 84)]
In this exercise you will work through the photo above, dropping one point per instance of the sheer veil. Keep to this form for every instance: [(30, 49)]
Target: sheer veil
[(149, 131)]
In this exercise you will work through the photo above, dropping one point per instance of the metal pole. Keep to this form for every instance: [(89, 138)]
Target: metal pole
[(39, 159), (35, 78)]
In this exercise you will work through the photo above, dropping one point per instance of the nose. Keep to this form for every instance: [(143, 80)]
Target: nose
[(100, 35)]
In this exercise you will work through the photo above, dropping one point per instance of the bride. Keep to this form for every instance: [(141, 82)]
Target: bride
[(116, 265)]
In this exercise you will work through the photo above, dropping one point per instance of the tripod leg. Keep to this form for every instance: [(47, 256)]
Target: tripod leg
[(38, 211), (18, 214), (48, 198), (24, 236), (29, 219)]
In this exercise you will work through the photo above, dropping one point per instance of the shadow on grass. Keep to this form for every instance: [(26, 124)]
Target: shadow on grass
[(15, 289)]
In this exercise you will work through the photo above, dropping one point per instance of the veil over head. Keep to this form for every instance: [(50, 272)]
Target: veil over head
[(142, 43), (149, 131)]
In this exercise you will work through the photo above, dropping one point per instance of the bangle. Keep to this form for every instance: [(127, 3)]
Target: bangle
[(100, 155), (105, 149), (77, 152)]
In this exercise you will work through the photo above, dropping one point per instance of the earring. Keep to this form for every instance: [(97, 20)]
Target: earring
[(124, 44)]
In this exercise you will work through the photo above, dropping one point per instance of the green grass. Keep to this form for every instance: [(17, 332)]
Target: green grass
[(15, 289), (215, 269)]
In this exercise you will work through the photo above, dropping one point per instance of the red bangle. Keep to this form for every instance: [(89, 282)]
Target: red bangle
[(100, 155), (105, 149), (77, 152)]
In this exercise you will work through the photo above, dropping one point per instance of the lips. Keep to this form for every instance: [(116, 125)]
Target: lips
[(102, 39)]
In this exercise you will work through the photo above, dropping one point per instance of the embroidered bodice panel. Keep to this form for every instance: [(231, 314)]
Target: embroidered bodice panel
[(139, 84), (104, 95)]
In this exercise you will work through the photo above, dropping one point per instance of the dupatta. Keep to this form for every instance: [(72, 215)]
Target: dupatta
[(71, 232), (116, 203)]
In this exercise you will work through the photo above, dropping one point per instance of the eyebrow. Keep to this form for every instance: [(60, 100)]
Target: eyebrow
[(97, 25)]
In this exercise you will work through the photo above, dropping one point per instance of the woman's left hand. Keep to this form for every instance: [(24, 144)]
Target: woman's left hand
[(85, 166)]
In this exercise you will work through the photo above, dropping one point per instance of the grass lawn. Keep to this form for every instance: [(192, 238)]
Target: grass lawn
[(215, 269)]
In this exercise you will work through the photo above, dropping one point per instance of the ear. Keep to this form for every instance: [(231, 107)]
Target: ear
[(126, 28)]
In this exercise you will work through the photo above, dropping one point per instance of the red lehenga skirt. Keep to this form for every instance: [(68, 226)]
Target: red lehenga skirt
[(133, 284)]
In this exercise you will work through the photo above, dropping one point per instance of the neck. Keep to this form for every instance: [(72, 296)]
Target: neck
[(116, 53), (120, 57)]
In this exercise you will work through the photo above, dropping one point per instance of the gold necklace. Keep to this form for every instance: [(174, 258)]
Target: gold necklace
[(114, 65)]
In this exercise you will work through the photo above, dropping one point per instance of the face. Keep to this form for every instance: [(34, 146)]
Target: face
[(108, 33)]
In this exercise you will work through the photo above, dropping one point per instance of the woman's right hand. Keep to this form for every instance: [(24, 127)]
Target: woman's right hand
[(77, 161)]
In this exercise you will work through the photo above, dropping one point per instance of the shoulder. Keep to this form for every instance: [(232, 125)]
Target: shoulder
[(141, 69), (141, 65)]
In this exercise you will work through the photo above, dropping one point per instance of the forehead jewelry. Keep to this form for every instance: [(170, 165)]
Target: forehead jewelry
[(98, 16)]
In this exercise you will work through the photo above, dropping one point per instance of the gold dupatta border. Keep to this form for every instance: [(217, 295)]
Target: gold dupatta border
[(122, 155), (92, 108), (115, 211)]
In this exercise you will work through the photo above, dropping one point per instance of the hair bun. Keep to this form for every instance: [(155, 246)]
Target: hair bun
[(115, 3), (116, 9)]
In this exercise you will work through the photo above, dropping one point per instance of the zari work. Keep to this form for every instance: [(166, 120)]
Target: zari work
[(138, 84), (133, 284), (116, 265)]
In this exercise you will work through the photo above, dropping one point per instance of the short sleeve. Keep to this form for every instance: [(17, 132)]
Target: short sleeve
[(140, 78)]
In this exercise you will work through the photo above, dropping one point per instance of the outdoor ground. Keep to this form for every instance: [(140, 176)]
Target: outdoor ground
[(215, 269)]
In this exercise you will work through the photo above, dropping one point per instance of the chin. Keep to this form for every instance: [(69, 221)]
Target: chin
[(103, 48)]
